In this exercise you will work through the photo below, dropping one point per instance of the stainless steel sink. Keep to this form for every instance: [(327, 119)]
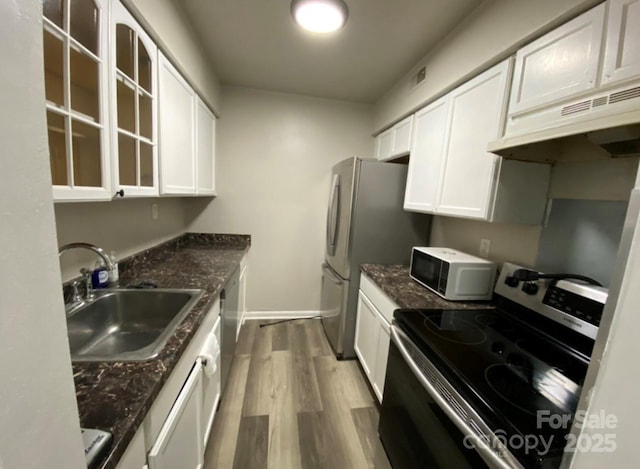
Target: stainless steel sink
[(127, 325)]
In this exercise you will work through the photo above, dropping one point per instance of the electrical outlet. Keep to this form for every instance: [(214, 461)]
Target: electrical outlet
[(154, 211), (485, 247)]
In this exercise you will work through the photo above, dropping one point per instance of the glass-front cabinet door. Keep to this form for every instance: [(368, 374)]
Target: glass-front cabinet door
[(75, 53), (133, 105)]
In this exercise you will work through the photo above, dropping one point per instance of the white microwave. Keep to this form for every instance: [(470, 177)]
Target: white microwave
[(452, 274)]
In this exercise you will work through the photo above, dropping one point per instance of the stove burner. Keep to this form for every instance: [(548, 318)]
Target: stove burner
[(495, 322), (510, 383), (454, 329), (546, 353)]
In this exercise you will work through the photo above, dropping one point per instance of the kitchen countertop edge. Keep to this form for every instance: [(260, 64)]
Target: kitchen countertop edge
[(395, 282)]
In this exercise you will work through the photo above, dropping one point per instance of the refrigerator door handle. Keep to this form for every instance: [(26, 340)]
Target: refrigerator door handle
[(331, 276), (333, 215)]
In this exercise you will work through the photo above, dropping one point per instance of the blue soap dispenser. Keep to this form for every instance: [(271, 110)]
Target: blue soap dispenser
[(100, 276)]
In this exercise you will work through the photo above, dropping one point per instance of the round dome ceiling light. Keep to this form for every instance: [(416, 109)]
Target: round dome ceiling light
[(320, 16)]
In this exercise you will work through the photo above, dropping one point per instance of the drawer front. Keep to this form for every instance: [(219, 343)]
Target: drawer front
[(385, 305)]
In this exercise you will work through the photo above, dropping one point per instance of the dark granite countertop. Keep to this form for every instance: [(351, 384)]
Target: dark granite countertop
[(116, 396), (395, 282)]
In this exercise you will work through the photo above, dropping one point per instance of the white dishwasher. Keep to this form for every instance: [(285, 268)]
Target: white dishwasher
[(230, 315)]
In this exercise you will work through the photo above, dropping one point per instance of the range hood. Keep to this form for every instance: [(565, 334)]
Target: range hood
[(618, 141), (610, 121)]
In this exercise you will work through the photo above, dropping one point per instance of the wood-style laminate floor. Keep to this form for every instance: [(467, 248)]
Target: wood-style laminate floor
[(290, 404)]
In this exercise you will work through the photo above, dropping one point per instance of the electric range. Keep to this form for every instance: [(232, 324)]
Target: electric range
[(495, 388)]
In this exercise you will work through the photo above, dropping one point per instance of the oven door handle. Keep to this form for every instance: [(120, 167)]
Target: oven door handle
[(489, 456)]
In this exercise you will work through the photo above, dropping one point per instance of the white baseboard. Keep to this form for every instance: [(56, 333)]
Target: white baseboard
[(250, 315)]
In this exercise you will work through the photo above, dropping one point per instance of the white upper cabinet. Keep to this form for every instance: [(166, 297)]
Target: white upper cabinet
[(402, 137), (430, 135), (476, 118), (560, 64), (102, 86), (450, 171), (134, 94), (622, 53), (76, 81), (205, 149), (384, 143), (580, 77), (187, 136), (395, 141), (177, 131)]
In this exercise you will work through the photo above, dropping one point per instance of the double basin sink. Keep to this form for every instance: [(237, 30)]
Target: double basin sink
[(127, 325)]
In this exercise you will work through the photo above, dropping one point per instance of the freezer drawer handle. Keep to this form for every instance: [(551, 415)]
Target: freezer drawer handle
[(331, 276), (333, 215)]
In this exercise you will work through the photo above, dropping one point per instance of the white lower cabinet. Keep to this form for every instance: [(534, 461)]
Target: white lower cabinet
[(179, 443), (382, 355), (134, 456), (175, 428), (367, 331), (374, 315)]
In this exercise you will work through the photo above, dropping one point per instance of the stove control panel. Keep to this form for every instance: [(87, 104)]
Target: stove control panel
[(574, 305), (580, 301)]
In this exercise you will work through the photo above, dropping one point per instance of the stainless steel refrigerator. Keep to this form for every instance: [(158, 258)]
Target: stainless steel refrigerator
[(365, 224)]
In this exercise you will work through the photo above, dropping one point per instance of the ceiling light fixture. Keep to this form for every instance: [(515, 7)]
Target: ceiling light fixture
[(320, 16)]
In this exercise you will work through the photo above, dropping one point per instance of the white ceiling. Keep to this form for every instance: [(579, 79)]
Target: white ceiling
[(255, 43)]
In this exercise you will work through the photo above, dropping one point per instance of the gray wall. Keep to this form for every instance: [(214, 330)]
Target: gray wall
[(591, 178), (495, 29), (38, 412), (274, 156), (125, 226), (611, 386), (167, 23)]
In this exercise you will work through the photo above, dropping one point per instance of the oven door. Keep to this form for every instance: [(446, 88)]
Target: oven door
[(421, 428)]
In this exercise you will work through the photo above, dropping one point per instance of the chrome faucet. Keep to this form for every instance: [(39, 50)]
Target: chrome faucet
[(99, 251), (86, 273)]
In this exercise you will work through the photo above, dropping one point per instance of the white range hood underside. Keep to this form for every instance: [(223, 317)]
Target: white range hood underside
[(617, 110)]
